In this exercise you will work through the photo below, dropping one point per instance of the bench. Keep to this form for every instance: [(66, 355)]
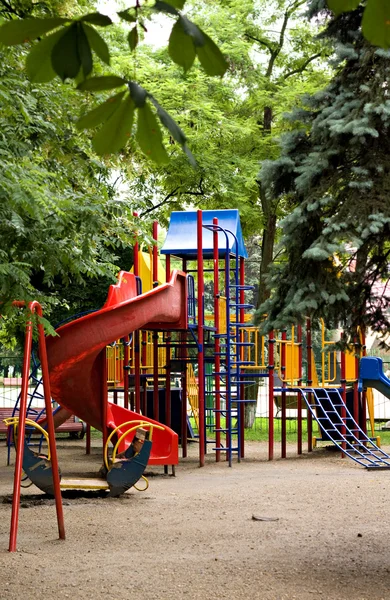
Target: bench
[(73, 425)]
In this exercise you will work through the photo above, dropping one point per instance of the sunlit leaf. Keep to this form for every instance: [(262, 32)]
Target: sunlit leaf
[(97, 84), (116, 131), (176, 3), (376, 23), (166, 119), (181, 46), (149, 136), (138, 94), (25, 30), (127, 16), (165, 7), (211, 58), (173, 128), (133, 38), (97, 43), (192, 30), (38, 62), (97, 19), (340, 6), (101, 113), (84, 51), (65, 57)]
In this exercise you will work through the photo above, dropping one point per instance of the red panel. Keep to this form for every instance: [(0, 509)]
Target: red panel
[(75, 371)]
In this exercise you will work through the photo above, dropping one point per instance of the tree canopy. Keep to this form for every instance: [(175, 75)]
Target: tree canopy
[(334, 167), (61, 225)]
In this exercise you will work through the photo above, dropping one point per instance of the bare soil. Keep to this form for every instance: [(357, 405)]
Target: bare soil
[(326, 532)]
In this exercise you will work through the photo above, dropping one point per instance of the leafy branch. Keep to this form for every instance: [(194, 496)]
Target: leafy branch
[(67, 48)]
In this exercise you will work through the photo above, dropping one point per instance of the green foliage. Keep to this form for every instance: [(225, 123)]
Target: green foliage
[(335, 168), (68, 52), (61, 228)]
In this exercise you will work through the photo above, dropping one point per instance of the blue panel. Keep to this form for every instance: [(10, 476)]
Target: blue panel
[(181, 238)]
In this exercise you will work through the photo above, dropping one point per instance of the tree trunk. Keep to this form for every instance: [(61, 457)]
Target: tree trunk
[(267, 243)]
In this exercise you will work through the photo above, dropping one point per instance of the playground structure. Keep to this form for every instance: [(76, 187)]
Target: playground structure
[(179, 344)]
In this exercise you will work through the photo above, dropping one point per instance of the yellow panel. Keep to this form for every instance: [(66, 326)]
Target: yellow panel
[(292, 362), (350, 366), (370, 406), (145, 268), (222, 315), (314, 374)]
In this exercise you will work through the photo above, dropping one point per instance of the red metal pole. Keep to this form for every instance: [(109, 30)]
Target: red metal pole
[(104, 396), (356, 408), (184, 354), (309, 384), (88, 439), (156, 402), (299, 341), (34, 307), (50, 421), (21, 436), (241, 450), (344, 396), (201, 386), (155, 254), (136, 253), (168, 359), (217, 344), (283, 394), (271, 368), (136, 340), (363, 424), (126, 360)]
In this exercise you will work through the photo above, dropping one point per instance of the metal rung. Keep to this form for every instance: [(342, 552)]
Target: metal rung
[(238, 305), (232, 431), (238, 344), (243, 362)]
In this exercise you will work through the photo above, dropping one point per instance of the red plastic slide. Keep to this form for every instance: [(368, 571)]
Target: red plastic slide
[(75, 356)]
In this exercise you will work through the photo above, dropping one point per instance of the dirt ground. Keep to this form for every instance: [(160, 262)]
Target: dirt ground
[(194, 536)]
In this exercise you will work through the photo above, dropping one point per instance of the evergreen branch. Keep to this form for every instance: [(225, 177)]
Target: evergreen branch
[(302, 67)]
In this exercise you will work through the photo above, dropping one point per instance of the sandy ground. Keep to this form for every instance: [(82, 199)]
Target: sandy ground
[(193, 536)]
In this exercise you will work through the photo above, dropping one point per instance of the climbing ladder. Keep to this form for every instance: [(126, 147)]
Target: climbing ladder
[(337, 423), (230, 380)]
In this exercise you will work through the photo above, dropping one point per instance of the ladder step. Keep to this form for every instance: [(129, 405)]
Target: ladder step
[(239, 305), (222, 430), (245, 401), (238, 344), (242, 287), (243, 362)]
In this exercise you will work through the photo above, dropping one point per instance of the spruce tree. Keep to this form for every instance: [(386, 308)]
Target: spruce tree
[(335, 170)]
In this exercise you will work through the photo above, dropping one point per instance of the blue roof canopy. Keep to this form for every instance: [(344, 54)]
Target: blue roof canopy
[(181, 238)]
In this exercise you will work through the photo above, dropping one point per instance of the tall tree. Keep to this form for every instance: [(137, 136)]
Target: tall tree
[(272, 62), (61, 226), (335, 167)]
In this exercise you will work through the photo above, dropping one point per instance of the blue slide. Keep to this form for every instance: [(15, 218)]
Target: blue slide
[(372, 375)]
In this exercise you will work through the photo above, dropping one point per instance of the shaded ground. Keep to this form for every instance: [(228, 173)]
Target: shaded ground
[(193, 536)]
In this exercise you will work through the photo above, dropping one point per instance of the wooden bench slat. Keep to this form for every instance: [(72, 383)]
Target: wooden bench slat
[(71, 425)]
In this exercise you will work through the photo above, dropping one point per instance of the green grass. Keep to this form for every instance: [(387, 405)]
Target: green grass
[(259, 431)]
